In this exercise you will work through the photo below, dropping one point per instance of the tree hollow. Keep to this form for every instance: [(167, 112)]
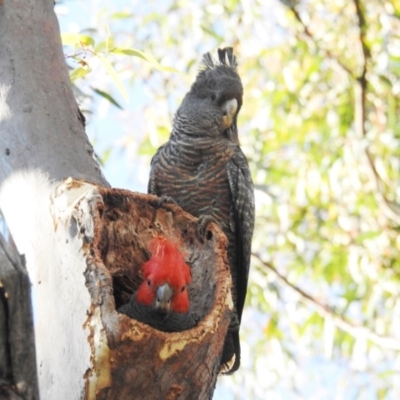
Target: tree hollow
[(131, 359)]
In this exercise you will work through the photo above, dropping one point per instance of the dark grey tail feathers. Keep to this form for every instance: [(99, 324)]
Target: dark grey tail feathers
[(230, 359)]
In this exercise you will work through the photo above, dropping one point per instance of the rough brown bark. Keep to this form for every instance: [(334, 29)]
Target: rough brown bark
[(18, 379), (135, 361)]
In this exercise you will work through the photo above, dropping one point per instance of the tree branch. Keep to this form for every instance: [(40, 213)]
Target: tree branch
[(310, 35), (361, 85), (362, 33), (323, 309), (390, 208)]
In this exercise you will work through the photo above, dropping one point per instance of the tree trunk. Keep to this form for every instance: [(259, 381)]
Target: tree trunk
[(84, 243), (43, 141), (18, 378)]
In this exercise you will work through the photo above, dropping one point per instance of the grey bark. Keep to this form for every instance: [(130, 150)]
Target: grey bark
[(18, 378), (40, 126), (42, 141)]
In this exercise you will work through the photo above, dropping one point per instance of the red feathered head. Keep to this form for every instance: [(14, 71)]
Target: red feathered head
[(166, 278)]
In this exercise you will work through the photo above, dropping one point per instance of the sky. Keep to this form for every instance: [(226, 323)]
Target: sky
[(108, 128)]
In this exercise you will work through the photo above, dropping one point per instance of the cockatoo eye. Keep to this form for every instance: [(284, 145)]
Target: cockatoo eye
[(183, 288), (149, 282), (213, 97)]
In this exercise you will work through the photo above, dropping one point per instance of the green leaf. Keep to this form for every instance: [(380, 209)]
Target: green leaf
[(384, 79), (109, 41), (78, 73), (146, 148), (122, 15), (110, 69), (212, 33), (106, 155), (72, 39), (147, 57), (108, 97), (271, 330), (367, 235), (105, 45), (102, 46)]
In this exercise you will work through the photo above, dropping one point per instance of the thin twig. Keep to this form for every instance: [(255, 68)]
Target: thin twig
[(310, 35), (355, 330), (361, 84), (362, 31), (390, 208)]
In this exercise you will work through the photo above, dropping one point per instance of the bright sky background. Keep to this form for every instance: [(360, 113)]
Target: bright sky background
[(110, 127)]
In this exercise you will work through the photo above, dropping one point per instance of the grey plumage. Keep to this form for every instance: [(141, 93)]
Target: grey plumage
[(204, 170), (167, 322)]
